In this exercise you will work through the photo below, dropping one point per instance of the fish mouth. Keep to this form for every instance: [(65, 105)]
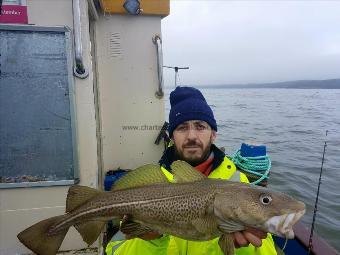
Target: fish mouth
[(282, 225)]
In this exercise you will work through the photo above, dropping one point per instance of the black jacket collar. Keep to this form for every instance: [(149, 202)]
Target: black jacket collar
[(169, 157)]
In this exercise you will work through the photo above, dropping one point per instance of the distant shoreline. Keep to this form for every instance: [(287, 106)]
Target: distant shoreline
[(301, 84)]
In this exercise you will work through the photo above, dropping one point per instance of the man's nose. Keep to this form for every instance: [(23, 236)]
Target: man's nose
[(192, 133)]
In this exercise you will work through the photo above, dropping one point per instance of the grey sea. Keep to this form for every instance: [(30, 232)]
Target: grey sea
[(292, 123)]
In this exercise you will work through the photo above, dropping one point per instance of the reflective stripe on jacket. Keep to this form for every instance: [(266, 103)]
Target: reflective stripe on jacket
[(171, 245)]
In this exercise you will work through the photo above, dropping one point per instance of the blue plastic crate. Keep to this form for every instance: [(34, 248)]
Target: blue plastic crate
[(250, 150)]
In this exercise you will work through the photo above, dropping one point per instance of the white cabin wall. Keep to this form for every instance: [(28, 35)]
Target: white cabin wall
[(127, 82), (22, 207)]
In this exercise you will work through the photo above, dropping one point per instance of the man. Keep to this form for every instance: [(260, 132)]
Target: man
[(192, 129)]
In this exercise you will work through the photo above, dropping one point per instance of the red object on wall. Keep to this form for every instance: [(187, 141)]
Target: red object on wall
[(13, 14)]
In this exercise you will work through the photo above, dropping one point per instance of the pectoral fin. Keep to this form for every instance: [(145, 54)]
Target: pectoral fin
[(229, 226), (226, 243), (205, 225)]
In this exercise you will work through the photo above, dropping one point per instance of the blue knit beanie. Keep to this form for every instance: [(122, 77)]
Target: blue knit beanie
[(188, 103)]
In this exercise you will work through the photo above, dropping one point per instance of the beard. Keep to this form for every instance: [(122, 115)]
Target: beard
[(194, 159)]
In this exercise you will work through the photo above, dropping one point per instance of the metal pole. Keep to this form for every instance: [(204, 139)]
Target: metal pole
[(176, 68), (79, 70), (158, 42), (176, 74)]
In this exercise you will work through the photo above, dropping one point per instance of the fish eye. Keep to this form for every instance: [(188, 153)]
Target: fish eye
[(265, 199)]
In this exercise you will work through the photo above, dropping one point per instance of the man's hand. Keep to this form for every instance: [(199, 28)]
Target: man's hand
[(244, 238)]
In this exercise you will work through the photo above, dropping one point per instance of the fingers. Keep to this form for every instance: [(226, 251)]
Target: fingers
[(240, 240), (259, 233), (249, 236), (253, 239)]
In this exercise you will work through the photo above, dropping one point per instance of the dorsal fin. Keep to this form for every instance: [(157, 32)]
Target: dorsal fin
[(183, 172), (78, 195), (141, 176)]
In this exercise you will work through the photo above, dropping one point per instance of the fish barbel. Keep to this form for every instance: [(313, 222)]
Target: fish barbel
[(193, 208)]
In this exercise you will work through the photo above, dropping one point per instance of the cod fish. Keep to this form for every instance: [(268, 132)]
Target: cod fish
[(193, 208)]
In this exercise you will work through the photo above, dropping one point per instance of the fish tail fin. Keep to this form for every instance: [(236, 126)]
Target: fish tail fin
[(40, 239)]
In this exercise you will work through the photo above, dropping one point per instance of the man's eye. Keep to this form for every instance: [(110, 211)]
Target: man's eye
[(181, 128), (200, 127)]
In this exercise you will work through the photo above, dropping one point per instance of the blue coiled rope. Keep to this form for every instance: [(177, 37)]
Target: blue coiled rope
[(259, 166)]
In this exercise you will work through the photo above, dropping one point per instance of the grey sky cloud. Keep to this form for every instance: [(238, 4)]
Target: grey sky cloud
[(228, 42)]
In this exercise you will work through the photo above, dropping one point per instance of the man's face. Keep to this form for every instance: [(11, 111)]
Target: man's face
[(192, 140)]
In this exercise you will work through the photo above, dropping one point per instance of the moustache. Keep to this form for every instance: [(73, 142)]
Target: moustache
[(192, 143)]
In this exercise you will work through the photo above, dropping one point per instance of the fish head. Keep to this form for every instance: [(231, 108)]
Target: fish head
[(252, 207)]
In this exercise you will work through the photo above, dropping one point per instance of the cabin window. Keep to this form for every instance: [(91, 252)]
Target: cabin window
[(37, 135)]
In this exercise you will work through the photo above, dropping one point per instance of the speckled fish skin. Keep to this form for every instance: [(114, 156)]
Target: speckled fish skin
[(192, 210)]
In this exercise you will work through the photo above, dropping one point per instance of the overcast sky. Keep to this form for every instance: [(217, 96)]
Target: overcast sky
[(228, 42)]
